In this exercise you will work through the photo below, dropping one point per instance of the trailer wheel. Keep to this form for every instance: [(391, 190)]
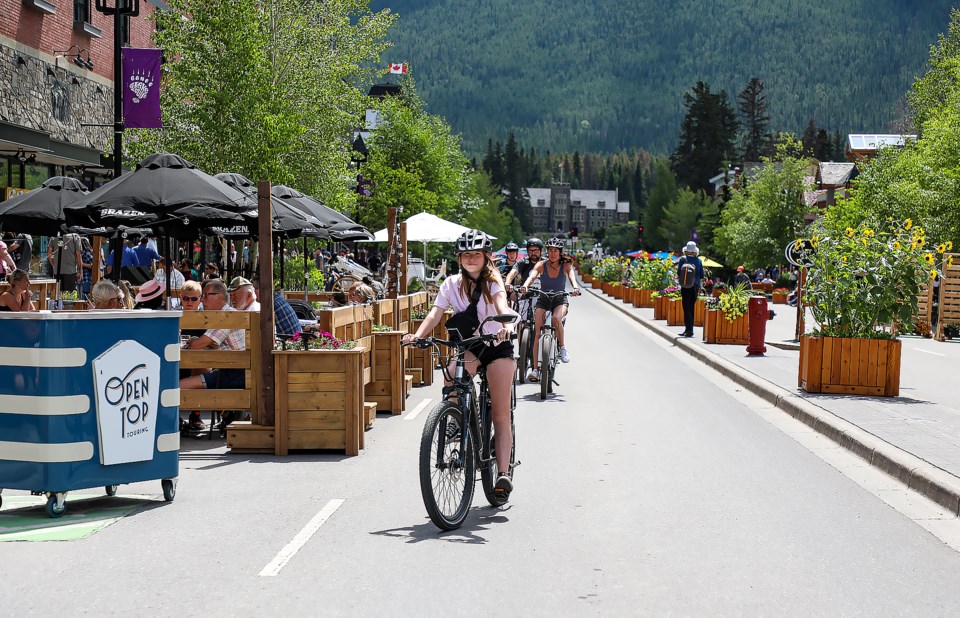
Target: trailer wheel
[(54, 510), (169, 489)]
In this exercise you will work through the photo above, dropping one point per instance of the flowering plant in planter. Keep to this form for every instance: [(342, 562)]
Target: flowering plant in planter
[(322, 340), (734, 302), (418, 314), (611, 269), (380, 328), (865, 280), (670, 292), (651, 274), (783, 291)]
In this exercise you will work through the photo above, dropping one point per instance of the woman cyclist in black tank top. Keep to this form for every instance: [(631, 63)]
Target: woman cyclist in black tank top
[(553, 274)]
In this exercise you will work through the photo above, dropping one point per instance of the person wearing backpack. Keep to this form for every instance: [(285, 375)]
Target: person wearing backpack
[(689, 275)]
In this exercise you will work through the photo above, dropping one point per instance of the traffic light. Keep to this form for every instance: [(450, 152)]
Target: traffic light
[(573, 231)]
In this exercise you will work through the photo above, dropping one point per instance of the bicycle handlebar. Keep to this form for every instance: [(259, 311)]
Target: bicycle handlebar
[(535, 292)]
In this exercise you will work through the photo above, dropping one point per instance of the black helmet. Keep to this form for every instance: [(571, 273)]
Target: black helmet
[(534, 242), (474, 240), (555, 243), (512, 246)]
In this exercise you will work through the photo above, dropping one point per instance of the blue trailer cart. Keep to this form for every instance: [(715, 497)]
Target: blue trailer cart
[(88, 399)]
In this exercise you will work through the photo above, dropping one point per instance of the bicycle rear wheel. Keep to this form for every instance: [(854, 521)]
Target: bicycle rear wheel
[(447, 480), (546, 367)]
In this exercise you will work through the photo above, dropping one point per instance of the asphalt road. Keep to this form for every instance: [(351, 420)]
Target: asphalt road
[(648, 486)]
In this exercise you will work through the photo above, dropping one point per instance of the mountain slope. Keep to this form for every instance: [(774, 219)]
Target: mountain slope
[(566, 74)]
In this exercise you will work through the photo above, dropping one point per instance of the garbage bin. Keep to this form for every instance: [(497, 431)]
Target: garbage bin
[(89, 399)]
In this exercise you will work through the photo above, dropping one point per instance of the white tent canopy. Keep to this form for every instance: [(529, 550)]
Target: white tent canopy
[(425, 228)]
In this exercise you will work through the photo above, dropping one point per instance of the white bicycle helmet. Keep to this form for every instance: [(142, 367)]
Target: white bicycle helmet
[(474, 240), (555, 242)]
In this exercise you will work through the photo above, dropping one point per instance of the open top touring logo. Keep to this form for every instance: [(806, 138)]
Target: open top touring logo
[(127, 379)]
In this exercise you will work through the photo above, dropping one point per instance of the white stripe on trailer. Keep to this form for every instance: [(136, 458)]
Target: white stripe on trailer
[(42, 357), (44, 405), (171, 353), (46, 453), (413, 413), (170, 397), (291, 548), (167, 442)]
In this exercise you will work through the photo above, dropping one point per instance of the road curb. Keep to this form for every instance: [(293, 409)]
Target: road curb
[(916, 474)]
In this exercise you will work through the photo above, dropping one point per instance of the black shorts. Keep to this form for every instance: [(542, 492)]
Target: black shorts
[(486, 354), (224, 378), (548, 304)]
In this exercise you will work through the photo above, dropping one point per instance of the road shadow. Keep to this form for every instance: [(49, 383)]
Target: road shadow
[(479, 519)]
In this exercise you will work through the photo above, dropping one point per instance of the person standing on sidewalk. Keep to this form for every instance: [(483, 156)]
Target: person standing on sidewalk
[(690, 274)]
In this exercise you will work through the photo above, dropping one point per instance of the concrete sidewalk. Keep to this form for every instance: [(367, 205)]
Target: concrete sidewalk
[(914, 437)]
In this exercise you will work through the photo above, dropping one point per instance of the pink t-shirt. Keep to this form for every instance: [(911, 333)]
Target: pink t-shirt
[(450, 297)]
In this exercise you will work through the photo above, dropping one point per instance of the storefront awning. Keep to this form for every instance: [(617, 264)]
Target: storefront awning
[(14, 137)]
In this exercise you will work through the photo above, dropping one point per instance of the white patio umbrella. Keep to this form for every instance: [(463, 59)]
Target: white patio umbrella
[(425, 228)]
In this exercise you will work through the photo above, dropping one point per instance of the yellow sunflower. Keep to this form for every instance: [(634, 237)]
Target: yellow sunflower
[(908, 224), (850, 232)]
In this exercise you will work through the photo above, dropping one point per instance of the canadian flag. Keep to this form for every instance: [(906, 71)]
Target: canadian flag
[(397, 69)]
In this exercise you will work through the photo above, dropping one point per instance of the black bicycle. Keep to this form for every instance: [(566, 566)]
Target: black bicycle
[(458, 438), (549, 351), (523, 305)]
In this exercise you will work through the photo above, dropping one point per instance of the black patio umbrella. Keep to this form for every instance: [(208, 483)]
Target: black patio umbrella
[(40, 211), (288, 222), (164, 189), (341, 226)]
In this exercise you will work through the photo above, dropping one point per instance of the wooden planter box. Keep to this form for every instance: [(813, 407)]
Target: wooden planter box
[(605, 287), (718, 329), (850, 366), (586, 278), (386, 387), (660, 308), (319, 400), (716, 293), (597, 285), (641, 298), (629, 294), (616, 291), (675, 313), (779, 299)]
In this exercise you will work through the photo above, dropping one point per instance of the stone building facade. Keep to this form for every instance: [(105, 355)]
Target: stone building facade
[(47, 97), (562, 209)]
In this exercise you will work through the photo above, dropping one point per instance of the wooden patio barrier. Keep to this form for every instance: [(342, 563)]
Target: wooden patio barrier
[(949, 312)]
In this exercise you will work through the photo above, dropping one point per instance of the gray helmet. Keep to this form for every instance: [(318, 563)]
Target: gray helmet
[(535, 242), (555, 242), (474, 240), (512, 246)]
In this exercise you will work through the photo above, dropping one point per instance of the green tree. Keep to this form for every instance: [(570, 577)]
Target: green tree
[(682, 216), (662, 192), (756, 140), (621, 237), (266, 89), (941, 82), (762, 217), (414, 162), (707, 136), (484, 210)]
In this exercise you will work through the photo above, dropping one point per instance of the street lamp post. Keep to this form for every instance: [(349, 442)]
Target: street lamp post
[(120, 8)]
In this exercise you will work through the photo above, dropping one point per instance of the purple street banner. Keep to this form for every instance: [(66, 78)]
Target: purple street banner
[(141, 88)]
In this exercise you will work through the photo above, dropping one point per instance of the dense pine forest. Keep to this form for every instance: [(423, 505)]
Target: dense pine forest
[(605, 75)]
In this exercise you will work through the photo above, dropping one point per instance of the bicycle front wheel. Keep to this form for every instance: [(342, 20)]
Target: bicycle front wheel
[(447, 473), (546, 366), (525, 348)]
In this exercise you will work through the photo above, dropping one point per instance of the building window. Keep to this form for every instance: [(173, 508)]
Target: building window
[(541, 202), (601, 204), (81, 11)]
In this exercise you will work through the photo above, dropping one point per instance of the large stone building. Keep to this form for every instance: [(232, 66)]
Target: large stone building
[(561, 209), (56, 75)]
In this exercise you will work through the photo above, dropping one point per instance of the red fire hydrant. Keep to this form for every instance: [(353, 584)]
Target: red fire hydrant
[(759, 314)]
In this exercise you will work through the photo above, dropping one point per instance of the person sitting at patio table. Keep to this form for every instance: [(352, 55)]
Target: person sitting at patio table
[(242, 295), (106, 295), (18, 297), (150, 295), (285, 320), (215, 299)]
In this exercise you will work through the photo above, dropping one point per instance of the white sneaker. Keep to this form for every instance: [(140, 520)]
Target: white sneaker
[(564, 355), (533, 375)]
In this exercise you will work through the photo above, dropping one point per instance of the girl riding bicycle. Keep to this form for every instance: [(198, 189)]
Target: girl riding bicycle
[(554, 274), (461, 292)]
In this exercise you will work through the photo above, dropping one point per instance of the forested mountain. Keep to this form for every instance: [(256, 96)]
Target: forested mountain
[(595, 76)]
